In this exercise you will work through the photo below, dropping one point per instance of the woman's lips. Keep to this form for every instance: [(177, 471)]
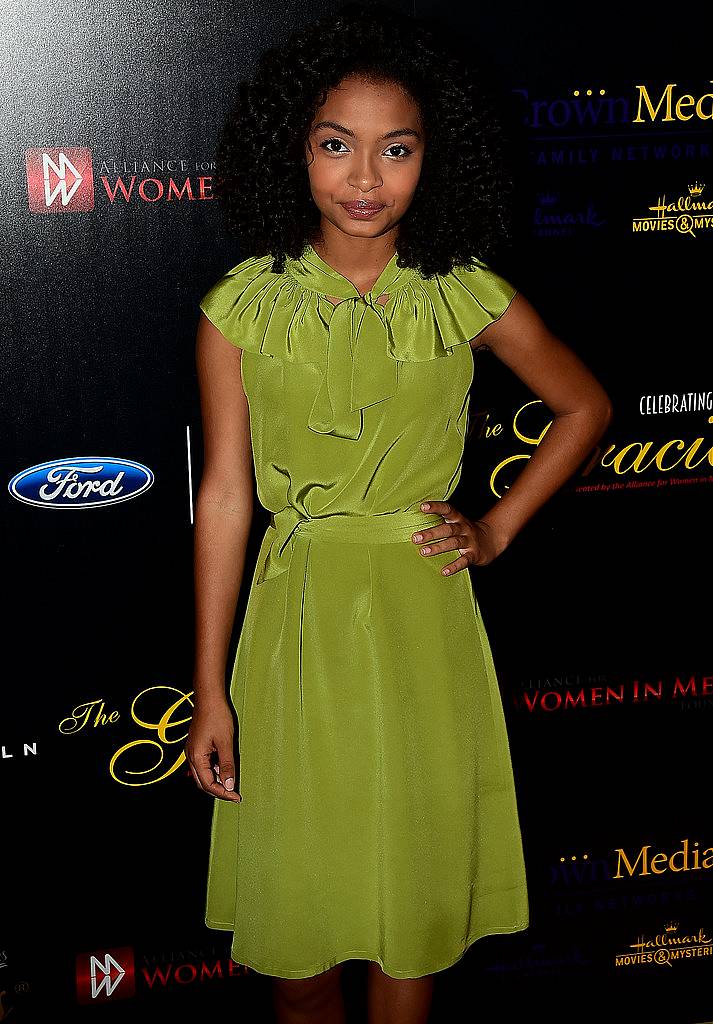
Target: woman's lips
[(361, 211)]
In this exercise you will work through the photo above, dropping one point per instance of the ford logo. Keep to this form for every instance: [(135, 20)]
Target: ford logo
[(81, 483)]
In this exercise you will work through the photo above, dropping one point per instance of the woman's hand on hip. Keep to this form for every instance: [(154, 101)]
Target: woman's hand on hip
[(475, 541)]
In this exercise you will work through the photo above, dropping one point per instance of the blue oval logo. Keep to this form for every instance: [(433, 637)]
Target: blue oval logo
[(81, 483)]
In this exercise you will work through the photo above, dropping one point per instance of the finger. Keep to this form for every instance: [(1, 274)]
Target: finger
[(226, 764), (207, 782), (443, 508), (217, 788), (457, 566), (219, 791), (450, 543), (195, 777), (438, 532), (204, 770)]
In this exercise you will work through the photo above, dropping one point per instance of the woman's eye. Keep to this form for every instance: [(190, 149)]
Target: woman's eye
[(328, 142), (400, 145)]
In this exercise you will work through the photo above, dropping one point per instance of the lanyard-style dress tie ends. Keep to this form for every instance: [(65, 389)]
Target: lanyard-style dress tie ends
[(358, 370)]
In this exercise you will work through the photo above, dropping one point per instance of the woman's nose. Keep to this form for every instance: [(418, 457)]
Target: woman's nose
[(365, 174)]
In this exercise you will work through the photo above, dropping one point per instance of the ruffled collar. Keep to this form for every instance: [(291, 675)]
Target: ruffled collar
[(312, 273), (284, 316)]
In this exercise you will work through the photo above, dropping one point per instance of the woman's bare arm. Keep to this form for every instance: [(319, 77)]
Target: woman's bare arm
[(581, 407), (224, 506), (224, 509)]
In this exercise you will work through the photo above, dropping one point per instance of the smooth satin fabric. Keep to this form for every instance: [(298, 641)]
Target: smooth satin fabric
[(379, 817)]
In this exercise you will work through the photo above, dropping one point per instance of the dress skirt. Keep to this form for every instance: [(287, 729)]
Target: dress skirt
[(379, 818)]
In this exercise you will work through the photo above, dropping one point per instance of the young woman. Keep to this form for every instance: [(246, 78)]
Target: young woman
[(369, 809)]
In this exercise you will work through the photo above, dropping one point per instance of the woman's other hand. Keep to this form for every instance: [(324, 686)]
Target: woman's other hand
[(211, 731)]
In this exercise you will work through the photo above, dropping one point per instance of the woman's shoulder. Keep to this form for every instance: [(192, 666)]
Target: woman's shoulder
[(240, 302), (233, 280), (474, 281), (450, 309)]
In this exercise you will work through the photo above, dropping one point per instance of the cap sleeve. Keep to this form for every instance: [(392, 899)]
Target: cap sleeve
[(244, 302), (486, 295), (434, 315)]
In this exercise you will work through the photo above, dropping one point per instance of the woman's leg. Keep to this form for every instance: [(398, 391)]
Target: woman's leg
[(316, 1000), (398, 1000)]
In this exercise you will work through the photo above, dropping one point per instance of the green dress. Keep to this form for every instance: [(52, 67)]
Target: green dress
[(379, 818)]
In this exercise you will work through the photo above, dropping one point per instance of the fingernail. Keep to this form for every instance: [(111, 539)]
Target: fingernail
[(229, 783), (425, 506), (418, 536)]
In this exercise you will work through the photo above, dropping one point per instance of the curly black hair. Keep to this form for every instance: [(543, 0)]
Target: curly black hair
[(461, 205)]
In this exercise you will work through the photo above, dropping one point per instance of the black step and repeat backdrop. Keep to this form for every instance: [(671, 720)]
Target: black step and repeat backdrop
[(598, 613)]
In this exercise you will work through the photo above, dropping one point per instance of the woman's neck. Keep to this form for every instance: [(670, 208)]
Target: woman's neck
[(360, 260)]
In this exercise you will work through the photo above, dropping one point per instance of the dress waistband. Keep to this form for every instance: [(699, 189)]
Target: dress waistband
[(378, 528), (383, 528)]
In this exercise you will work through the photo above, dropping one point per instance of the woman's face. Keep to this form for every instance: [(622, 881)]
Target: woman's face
[(372, 149)]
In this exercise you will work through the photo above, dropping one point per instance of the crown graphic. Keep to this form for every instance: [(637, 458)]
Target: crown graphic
[(672, 926), (548, 198), (696, 188)]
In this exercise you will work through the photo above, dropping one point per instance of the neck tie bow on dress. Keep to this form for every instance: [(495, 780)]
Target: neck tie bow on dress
[(358, 370)]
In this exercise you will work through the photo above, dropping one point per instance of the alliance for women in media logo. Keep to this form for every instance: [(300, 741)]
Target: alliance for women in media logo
[(64, 179)]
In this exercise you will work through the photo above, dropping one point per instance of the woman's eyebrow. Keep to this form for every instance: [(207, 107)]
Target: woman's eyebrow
[(346, 131)]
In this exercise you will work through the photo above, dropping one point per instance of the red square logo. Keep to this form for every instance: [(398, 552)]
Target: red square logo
[(105, 976), (60, 180)]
